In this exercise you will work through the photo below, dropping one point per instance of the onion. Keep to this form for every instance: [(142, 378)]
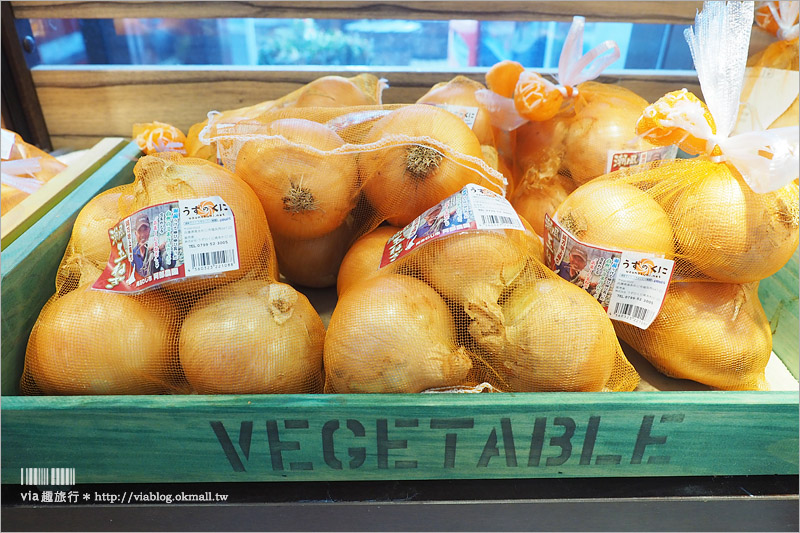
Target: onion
[(460, 91), (713, 333), (253, 337), (313, 262), (332, 91), (391, 334), (169, 177), (10, 197), (576, 141), (95, 342), (363, 259), (616, 215), (402, 181), (534, 197), (196, 148), (726, 230), (90, 237), (305, 194), (472, 268), (556, 337)]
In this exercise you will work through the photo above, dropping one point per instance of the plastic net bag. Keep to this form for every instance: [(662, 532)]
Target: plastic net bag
[(726, 218), (25, 169), (568, 132), (327, 91), (463, 299), (326, 176), (182, 298), (712, 333)]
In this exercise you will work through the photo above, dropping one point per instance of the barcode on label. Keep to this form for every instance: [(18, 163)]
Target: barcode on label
[(495, 220), (211, 258), (47, 476), (634, 311)]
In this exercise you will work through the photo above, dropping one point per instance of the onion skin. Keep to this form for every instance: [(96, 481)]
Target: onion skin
[(253, 337), (534, 197), (363, 259), (94, 342), (332, 91), (728, 232), (90, 231), (402, 181), (460, 91), (617, 215), (556, 337), (392, 334), (313, 262), (305, 195), (712, 333)]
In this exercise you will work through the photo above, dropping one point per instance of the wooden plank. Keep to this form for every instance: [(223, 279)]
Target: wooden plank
[(29, 264), (180, 439), (779, 296), (110, 100), (23, 215), (643, 12)]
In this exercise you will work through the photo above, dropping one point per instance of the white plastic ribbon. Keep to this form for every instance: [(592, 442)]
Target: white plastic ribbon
[(785, 15), (574, 68), (19, 174), (719, 43)]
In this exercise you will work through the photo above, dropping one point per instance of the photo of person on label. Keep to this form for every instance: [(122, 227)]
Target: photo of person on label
[(574, 269), (148, 254)]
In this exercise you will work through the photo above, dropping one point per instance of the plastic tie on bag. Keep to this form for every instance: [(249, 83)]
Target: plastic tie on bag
[(574, 68), (785, 15), (719, 43), (20, 174)]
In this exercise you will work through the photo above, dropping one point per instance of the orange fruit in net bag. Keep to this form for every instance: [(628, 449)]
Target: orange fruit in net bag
[(661, 122), (766, 20), (155, 137), (502, 77), (536, 98)]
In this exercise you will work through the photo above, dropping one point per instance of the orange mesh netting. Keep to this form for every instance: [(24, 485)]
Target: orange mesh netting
[(25, 169)]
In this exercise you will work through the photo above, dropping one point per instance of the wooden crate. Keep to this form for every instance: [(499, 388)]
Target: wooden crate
[(127, 439), (360, 437)]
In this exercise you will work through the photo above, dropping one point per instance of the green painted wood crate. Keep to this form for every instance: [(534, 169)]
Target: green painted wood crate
[(149, 439)]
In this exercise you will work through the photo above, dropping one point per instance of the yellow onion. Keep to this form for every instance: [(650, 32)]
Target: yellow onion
[(313, 262), (556, 337), (576, 141), (616, 215), (363, 258), (169, 177), (90, 232), (402, 180), (460, 91), (727, 231), (332, 91), (95, 342), (534, 197), (305, 194), (10, 197), (712, 333), (253, 337), (391, 334), (472, 268)]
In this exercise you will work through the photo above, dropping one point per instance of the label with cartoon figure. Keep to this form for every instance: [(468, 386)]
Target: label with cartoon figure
[(168, 242), (473, 207), (631, 286)]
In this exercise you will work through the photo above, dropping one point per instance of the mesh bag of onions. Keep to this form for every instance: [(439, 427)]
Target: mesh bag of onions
[(564, 133), (462, 299), (714, 225), (327, 176), (326, 91), (169, 285)]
